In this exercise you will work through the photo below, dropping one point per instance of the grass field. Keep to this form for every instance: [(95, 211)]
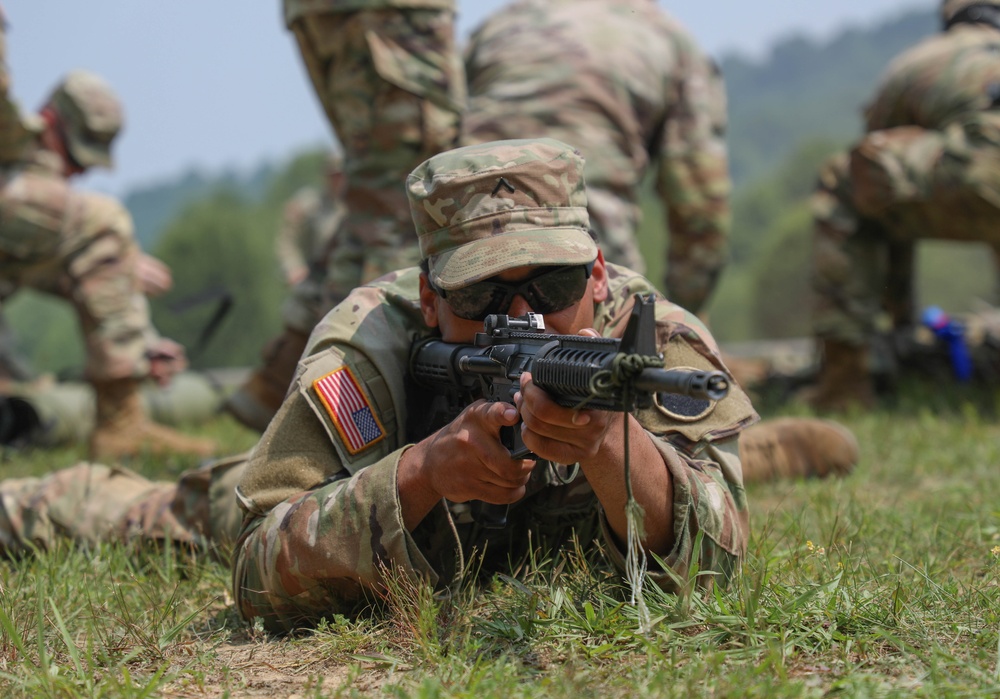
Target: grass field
[(881, 584)]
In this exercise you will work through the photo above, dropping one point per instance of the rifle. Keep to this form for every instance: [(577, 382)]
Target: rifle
[(577, 372)]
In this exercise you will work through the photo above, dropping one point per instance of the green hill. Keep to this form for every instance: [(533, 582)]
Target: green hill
[(804, 89)]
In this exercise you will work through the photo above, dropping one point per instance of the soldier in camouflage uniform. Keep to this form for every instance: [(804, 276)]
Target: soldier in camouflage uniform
[(928, 168), (81, 247), (338, 489), (390, 80), (628, 86)]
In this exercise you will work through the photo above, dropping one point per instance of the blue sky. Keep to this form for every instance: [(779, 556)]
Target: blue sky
[(216, 84)]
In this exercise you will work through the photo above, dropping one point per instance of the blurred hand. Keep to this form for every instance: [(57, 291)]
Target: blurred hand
[(294, 276), (166, 358), (155, 277)]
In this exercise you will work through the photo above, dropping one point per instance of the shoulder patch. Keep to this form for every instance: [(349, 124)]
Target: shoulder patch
[(683, 408), (348, 407)]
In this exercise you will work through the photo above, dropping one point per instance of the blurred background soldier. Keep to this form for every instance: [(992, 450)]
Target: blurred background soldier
[(629, 87), (929, 167), (81, 247), (390, 80), (310, 232), (311, 217)]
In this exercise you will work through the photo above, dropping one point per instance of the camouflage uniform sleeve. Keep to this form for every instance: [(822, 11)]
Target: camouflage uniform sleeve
[(324, 522), (693, 177), (323, 551), (710, 503), (698, 442)]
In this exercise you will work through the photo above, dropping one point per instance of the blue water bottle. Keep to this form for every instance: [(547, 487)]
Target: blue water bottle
[(953, 334)]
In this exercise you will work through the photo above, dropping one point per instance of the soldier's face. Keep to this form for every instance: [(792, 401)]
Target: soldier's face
[(568, 321)]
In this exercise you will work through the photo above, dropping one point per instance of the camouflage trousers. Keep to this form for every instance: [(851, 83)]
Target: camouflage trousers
[(91, 503), (392, 85), (872, 205), (88, 257)]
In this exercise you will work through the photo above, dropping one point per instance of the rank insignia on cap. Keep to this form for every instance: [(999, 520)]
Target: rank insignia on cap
[(349, 409)]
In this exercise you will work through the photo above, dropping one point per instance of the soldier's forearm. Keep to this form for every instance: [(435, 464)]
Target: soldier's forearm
[(417, 497), (651, 485)]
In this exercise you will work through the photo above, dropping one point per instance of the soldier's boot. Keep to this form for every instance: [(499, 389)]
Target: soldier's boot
[(258, 399), (122, 427), (844, 380), (788, 448)]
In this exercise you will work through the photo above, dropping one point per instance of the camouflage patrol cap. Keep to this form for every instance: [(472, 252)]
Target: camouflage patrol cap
[(950, 8), (487, 208), (91, 115)]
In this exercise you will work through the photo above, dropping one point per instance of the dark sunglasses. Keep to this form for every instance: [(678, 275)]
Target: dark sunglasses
[(547, 292)]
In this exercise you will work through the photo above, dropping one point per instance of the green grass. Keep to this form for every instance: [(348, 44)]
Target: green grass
[(881, 584)]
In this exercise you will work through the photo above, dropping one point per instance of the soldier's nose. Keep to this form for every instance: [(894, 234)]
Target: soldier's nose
[(519, 306)]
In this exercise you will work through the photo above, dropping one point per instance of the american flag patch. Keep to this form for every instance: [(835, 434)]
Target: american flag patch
[(349, 409)]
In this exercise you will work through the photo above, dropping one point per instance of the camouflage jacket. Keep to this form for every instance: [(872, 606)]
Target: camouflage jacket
[(293, 9), (310, 219), (627, 85), (948, 78), (348, 462)]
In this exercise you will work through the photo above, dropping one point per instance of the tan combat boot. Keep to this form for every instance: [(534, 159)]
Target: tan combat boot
[(258, 399), (844, 379), (123, 429), (797, 448)]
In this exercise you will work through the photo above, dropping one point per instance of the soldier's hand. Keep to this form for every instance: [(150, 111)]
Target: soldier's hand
[(155, 277), (561, 435), (468, 461), (166, 358)]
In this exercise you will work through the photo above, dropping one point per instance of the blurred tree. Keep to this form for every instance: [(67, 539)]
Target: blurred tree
[(223, 248)]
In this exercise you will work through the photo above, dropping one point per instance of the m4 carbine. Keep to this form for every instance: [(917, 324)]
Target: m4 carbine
[(576, 371)]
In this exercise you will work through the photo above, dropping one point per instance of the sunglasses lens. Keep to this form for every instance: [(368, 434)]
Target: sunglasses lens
[(477, 301), (557, 290), (549, 292)]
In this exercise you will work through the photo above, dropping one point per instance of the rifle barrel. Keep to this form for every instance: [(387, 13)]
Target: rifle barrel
[(707, 385)]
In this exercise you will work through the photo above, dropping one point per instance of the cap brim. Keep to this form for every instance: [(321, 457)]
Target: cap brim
[(90, 155), (485, 258)]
